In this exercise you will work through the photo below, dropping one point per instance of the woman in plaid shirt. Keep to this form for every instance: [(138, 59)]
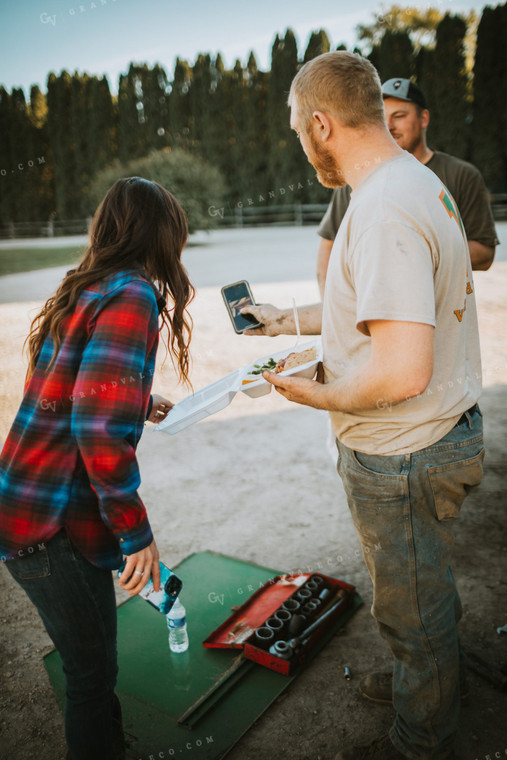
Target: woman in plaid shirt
[(69, 478)]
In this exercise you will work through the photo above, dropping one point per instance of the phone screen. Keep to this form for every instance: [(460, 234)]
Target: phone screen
[(236, 297)]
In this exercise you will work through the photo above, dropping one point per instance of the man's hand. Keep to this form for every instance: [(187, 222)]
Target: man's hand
[(138, 568), (399, 367), (301, 390), (281, 321), (160, 408), (270, 317)]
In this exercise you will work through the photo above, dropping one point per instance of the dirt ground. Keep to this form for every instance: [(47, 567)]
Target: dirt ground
[(213, 486)]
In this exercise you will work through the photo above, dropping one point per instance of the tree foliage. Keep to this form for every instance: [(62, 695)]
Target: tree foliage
[(489, 134), (56, 146), (443, 78), (419, 24), (394, 54), (196, 184)]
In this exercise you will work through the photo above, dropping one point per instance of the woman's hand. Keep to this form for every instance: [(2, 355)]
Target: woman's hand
[(160, 408), (138, 568)]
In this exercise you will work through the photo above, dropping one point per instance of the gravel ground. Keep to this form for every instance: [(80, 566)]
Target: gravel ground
[(203, 491)]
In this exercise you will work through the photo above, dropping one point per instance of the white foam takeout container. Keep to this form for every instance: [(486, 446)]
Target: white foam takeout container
[(215, 397)]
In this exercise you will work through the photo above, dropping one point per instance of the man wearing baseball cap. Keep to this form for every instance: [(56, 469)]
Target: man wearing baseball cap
[(407, 118)]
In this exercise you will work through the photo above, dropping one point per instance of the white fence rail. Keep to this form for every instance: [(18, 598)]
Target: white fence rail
[(233, 216)]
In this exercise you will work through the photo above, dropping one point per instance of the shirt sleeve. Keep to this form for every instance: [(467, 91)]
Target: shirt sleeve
[(110, 401), (392, 268), (474, 207), (335, 212)]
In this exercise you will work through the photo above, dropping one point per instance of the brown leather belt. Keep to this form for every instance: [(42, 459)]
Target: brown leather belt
[(464, 418)]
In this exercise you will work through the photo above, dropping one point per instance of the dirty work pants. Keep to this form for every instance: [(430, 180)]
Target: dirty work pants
[(404, 508), (77, 605)]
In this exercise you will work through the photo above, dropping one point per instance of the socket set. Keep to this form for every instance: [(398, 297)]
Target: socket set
[(280, 624)]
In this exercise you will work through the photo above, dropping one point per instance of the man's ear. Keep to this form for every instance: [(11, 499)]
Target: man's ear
[(425, 118), (322, 124)]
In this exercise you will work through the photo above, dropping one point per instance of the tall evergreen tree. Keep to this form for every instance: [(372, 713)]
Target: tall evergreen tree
[(284, 162), (143, 111), (199, 97), (447, 93), (61, 136), (395, 57), (6, 159), (22, 168), (216, 116), (255, 124), (102, 126), (41, 190), (78, 141), (179, 104), (317, 44), (489, 147)]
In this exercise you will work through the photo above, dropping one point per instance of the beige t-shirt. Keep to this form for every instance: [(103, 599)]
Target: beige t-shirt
[(401, 254)]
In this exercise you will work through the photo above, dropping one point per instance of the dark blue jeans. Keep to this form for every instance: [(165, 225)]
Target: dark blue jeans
[(77, 605), (404, 508)]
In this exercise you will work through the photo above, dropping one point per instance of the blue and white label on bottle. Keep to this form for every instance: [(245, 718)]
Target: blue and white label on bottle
[(176, 623)]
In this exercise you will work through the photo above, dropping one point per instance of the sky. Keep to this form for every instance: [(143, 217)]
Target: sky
[(104, 36)]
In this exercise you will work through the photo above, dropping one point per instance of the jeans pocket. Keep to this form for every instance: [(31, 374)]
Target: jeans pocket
[(33, 564), (451, 482), (369, 487)]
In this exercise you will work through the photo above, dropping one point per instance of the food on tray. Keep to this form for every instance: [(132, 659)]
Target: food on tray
[(259, 368), (294, 359)]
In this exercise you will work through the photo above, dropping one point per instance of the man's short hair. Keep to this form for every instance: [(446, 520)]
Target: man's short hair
[(343, 84)]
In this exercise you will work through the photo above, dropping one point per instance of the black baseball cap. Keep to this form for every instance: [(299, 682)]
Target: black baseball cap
[(404, 89)]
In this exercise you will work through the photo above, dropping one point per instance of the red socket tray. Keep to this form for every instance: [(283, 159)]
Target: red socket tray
[(239, 630)]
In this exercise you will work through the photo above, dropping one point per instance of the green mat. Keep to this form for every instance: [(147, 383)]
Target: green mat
[(156, 686)]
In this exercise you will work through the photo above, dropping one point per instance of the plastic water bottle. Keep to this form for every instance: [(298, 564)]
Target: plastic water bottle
[(177, 624)]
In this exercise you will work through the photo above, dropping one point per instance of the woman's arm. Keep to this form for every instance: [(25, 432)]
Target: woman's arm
[(110, 401)]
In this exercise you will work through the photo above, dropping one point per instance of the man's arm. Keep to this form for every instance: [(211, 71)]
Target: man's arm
[(471, 194), (281, 321), (481, 255), (323, 256), (328, 229), (400, 366)]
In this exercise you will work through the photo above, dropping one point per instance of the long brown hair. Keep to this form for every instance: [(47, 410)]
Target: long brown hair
[(138, 225)]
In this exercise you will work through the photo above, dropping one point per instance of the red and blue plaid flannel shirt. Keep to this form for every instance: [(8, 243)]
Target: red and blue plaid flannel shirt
[(69, 460)]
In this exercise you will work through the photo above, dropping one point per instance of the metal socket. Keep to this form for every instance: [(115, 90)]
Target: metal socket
[(304, 594), (283, 615), (291, 605), (282, 649), (274, 624), (264, 634)]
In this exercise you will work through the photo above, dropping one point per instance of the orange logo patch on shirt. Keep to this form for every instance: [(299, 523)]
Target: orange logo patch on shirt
[(451, 208)]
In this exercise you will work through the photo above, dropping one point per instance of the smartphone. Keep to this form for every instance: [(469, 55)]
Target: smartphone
[(170, 587), (236, 296)]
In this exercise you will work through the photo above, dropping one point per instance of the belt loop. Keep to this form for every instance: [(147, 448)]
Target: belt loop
[(469, 419)]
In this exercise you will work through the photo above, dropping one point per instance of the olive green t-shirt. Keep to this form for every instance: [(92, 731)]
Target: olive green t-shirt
[(464, 182)]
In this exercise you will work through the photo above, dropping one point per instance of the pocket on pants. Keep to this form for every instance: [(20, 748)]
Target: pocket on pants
[(451, 482), (30, 565)]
